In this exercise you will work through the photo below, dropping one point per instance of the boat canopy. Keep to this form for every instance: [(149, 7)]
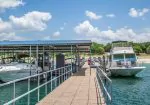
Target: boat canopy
[(57, 45), (122, 50)]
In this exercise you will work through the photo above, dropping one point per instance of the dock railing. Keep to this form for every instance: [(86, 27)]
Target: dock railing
[(104, 85), (52, 77)]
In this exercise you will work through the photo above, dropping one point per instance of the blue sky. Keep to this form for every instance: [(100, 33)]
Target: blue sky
[(97, 20)]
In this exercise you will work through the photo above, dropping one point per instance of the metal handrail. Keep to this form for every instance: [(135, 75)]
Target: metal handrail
[(60, 74), (21, 79), (108, 94), (104, 84)]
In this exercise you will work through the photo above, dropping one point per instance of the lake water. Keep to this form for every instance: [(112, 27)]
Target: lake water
[(126, 91), (6, 93), (132, 90)]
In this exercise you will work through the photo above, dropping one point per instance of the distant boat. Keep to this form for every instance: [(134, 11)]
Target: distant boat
[(16, 70), (123, 60)]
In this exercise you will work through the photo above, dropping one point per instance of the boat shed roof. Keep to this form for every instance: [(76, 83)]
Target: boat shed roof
[(45, 42), (59, 45)]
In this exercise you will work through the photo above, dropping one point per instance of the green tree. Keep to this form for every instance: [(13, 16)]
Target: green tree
[(137, 49), (97, 48), (107, 47), (148, 49)]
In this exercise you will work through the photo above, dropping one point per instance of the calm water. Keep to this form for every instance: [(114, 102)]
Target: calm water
[(133, 90), (6, 93), (126, 91)]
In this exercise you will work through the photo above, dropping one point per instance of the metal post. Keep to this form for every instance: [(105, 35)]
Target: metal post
[(30, 60), (124, 56), (71, 59), (28, 91), (90, 60), (43, 58), (37, 72), (51, 80), (64, 74), (13, 54), (4, 56), (78, 59), (55, 77), (14, 94), (53, 59), (46, 84)]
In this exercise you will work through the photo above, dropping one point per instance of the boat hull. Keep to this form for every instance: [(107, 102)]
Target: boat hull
[(16, 74), (132, 71)]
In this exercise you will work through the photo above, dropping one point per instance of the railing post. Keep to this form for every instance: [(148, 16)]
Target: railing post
[(51, 80), (46, 84), (28, 91), (59, 77), (30, 60), (14, 92), (55, 80), (38, 88), (71, 60), (70, 70), (64, 73), (90, 60)]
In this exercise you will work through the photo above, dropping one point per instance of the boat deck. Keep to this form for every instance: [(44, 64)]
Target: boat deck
[(79, 89)]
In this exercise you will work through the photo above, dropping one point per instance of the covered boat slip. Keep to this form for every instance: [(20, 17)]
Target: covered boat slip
[(42, 51), (44, 54)]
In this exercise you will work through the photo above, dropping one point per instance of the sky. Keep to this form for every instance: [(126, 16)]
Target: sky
[(102, 21)]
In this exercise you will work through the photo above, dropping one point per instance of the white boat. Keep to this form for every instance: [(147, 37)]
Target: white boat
[(15, 70), (123, 60)]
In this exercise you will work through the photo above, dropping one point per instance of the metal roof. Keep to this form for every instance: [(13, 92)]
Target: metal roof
[(45, 42), (122, 50)]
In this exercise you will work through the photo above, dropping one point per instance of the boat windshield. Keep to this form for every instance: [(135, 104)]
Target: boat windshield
[(128, 57), (118, 57)]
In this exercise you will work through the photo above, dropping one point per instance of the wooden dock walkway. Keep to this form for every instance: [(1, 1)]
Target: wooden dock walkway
[(79, 89)]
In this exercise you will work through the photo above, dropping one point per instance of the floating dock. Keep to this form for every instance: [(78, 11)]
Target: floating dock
[(79, 89), (73, 83)]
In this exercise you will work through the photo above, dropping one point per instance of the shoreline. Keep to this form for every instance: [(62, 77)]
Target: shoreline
[(144, 60)]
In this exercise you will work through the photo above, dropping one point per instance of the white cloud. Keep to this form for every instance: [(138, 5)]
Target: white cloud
[(110, 15), (32, 21), (10, 36), (5, 4), (92, 15), (89, 31), (56, 34), (47, 38), (138, 12), (5, 26)]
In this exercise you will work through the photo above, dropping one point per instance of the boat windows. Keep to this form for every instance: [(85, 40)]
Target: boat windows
[(118, 57), (130, 57)]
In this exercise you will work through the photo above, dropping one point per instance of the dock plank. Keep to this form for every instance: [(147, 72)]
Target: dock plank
[(79, 89)]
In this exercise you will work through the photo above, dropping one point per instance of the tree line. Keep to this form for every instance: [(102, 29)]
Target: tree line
[(97, 48)]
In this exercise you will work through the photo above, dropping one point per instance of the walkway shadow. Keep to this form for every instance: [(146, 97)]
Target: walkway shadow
[(81, 72)]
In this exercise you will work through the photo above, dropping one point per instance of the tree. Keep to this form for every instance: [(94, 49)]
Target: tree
[(97, 48), (148, 49), (107, 47), (137, 49)]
